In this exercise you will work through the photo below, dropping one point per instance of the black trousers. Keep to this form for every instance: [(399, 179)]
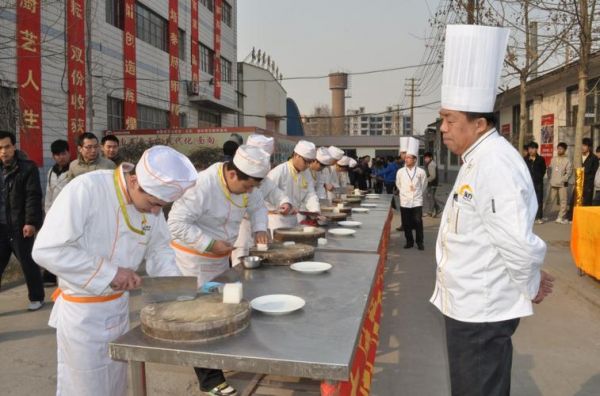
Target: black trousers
[(389, 187), (539, 194), (480, 357), (14, 242), (209, 378), (412, 219)]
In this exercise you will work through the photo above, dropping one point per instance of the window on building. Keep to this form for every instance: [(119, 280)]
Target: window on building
[(210, 4), (151, 117), (207, 60), (181, 43), (114, 12), (151, 27), (8, 109), (114, 114), (226, 71), (206, 119), (226, 13), (183, 120)]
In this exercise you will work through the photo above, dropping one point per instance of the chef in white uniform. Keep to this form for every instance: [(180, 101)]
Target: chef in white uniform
[(342, 168), (97, 232), (488, 259), (271, 193), (329, 173), (317, 171), (205, 222), (294, 179)]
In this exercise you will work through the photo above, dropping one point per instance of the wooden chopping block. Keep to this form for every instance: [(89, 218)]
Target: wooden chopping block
[(284, 255), (348, 201), (327, 209), (203, 319), (331, 216), (297, 234)]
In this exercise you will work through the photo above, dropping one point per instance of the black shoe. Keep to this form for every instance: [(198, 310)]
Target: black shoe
[(408, 245), (420, 247), (401, 228)]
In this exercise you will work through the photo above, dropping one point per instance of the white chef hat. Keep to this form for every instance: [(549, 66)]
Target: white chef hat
[(336, 153), (324, 156), (253, 161), (264, 142), (473, 59), (404, 143), (306, 149), (165, 173), (413, 147), (352, 163), (345, 161)]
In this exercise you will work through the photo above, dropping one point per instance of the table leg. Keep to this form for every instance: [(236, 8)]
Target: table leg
[(330, 388), (138, 378)]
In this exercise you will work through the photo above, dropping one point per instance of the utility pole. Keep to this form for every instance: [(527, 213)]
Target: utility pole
[(411, 90), (471, 12), (532, 52)]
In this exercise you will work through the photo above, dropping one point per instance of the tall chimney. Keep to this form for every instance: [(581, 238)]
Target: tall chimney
[(338, 83)]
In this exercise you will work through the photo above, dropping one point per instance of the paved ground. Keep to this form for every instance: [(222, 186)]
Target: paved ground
[(557, 351)]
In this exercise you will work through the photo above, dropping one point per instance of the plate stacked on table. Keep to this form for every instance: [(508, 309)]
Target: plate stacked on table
[(277, 304), (372, 196), (350, 223), (360, 210), (342, 231), (311, 267), (368, 205)]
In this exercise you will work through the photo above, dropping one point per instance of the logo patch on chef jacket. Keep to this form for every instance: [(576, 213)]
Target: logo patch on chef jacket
[(466, 192)]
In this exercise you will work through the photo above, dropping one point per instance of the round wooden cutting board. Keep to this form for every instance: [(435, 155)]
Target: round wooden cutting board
[(284, 255), (328, 209), (297, 234), (335, 216)]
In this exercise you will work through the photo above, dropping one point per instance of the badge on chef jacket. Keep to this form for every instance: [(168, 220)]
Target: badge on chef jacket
[(466, 192)]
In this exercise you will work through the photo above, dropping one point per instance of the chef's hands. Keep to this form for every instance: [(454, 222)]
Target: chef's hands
[(285, 209), (261, 237), (125, 279), (546, 285), (28, 231), (221, 248)]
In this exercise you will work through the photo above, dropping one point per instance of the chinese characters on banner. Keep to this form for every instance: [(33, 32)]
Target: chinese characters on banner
[(547, 137), (29, 79), (217, 47), (195, 50), (76, 72), (129, 67), (174, 63)]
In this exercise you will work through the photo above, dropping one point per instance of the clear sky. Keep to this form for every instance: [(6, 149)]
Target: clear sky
[(316, 37)]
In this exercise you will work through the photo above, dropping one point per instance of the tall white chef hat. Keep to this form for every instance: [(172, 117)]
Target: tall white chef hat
[(352, 163), (336, 153), (345, 161), (253, 161), (404, 143), (473, 59), (324, 156), (165, 173), (264, 142), (413, 147), (306, 149)]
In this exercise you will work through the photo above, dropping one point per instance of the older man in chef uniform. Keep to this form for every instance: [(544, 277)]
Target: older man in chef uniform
[(98, 231), (329, 173), (488, 259), (294, 179)]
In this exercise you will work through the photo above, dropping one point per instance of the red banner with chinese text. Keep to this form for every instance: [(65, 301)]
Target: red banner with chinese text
[(76, 72), (29, 79), (174, 63), (547, 138), (195, 50), (129, 67), (217, 48)]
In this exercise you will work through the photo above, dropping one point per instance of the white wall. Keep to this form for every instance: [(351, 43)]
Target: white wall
[(263, 96)]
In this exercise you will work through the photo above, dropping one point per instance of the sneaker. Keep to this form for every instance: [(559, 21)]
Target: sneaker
[(35, 305), (222, 390), (421, 247), (539, 221), (562, 221), (427, 215)]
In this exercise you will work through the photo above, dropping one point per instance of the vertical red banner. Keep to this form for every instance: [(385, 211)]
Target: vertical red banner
[(217, 46), (129, 67), (547, 137), (195, 47), (76, 71), (29, 79), (174, 63)]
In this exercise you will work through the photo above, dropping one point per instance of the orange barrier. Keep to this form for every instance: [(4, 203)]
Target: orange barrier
[(585, 239)]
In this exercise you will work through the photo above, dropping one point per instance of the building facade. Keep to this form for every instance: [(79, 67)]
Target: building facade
[(116, 64), (390, 122), (319, 123)]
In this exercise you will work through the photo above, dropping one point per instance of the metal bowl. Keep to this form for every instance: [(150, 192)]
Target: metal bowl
[(251, 262)]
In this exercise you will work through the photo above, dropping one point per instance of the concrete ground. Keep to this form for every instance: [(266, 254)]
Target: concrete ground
[(557, 351)]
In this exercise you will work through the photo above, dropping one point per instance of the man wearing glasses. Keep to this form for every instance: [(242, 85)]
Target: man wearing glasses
[(89, 158)]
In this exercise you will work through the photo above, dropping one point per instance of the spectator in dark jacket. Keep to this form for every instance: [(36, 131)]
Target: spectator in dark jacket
[(590, 166), (21, 214), (389, 175), (537, 169)]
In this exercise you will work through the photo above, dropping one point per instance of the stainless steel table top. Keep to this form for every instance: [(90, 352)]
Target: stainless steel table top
[(316, 342)]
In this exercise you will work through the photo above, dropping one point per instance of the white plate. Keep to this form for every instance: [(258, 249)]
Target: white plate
[(360, 210), (342, 231), (371, 196), (349, 223), (311, 267), (277, 304), (368, 205)]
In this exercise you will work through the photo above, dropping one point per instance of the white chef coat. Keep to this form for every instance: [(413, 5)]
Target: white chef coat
[(207, 212), (54, 185), (85, 238), (299, 187), (488, 259), (319, 181), (411, 183), (343, 180), (329, 175)]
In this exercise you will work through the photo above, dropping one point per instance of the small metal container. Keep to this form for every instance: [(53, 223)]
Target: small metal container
[(251, 262)]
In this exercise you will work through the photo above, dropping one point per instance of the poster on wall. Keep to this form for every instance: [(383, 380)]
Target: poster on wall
[(547, 137)]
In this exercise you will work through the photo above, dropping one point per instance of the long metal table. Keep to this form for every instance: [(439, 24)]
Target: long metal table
[(316, 342)]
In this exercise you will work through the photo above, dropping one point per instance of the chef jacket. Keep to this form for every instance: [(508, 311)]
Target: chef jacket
[(411, 183), (298, 186)]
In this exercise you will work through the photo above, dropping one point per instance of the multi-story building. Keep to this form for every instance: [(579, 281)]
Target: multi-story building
[(319, 123), (389, 122), (116, 64)]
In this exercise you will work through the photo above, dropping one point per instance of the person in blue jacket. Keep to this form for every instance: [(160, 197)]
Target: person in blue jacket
[(389, 175)]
